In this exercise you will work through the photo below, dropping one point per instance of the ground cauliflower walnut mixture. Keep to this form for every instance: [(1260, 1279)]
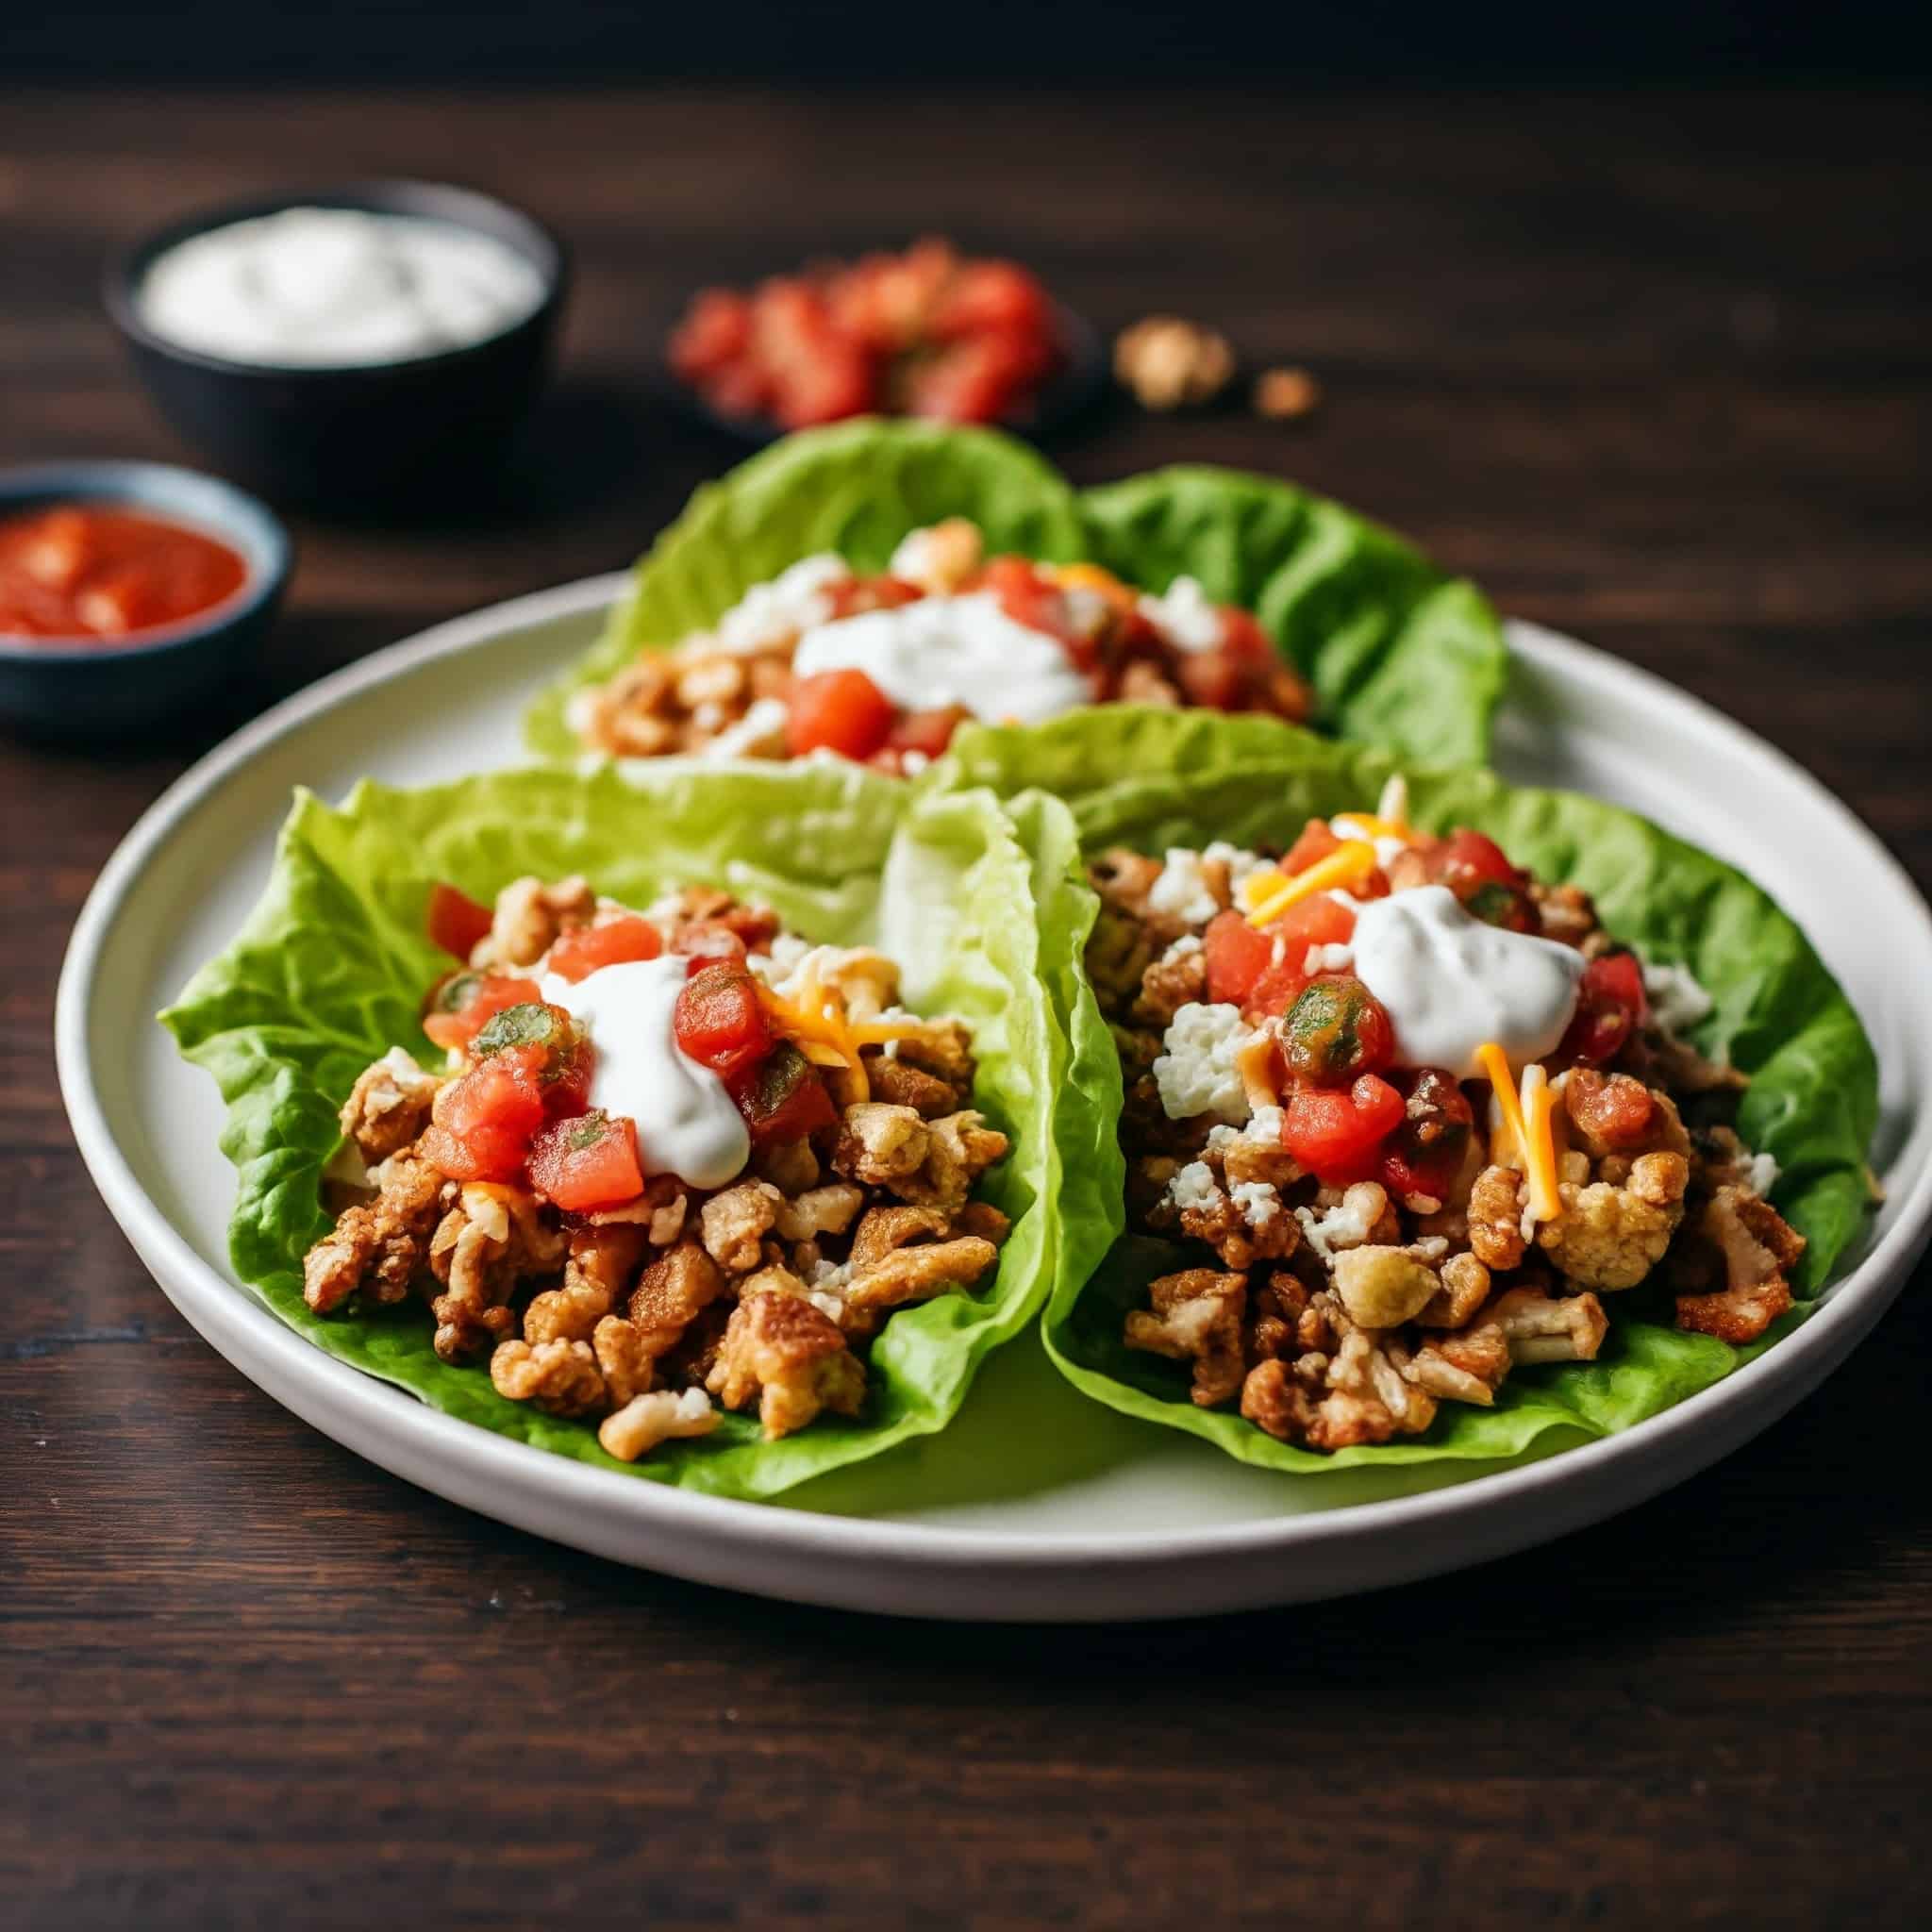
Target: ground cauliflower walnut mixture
[(760, 1294), (1344, 1312), (728, 692)]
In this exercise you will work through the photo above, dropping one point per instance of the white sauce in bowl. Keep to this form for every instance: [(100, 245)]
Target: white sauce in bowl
[(945, 651), (1450, 983), (687, 1123), (336, 287)]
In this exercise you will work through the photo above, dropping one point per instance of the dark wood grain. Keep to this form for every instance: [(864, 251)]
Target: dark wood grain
[(1659, 370)]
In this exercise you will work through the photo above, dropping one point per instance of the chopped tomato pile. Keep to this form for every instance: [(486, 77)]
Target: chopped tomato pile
[(522, 1109), (926, 333)]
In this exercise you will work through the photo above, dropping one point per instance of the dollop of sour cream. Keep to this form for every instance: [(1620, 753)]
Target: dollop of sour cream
[(1450, 983), (944, 651), (336, 287), (687, 1123)]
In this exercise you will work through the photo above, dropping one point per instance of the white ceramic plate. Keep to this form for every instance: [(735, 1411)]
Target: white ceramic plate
[(1036, 1504)]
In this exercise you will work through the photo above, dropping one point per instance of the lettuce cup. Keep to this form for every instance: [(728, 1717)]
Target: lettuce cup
[(708, 1126), (1452, 1113), (864, 591)]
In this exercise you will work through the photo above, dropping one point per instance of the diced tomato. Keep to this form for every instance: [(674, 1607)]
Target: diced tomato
[(550, 1044), (1425, 1152), (990, 296), (585, 949), (586, 1163), (1212, 679), (1336, 1135), (462, 1004), (1316, 920), (1025, 593), (1243, 638), (928, 732), (1315, 844), (1612, 1109), (1237, 955), (742, 390), (1468, 850), (782, 1097), (485, 1121), (1336, 1031), (1610, 1006), (455, 921), (714, 333), (975, 379), (720, 1020), (817, 372), (837, 710), (857, 595)]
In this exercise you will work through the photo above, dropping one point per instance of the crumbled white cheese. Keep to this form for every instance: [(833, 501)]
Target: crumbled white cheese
[(1087, 611), (781, 962), (1181, 891), (913, 762), (1242, 864), (1221, 1139), (760, 730), (1388, 847), (1341, 1226), (1764, 1174), (1676, 1000), (1258, 1202), (580, 709), (1264, 1130), (1430, 1247), (1198, 1073), (1188, 943), (1337, 957), (1195, 1186), (830, 1275), (1185, 616), (793, 601), (828, 1306)]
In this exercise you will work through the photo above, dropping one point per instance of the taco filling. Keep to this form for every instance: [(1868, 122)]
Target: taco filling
[(883, 669), (674, 1160), (1419, 1119)]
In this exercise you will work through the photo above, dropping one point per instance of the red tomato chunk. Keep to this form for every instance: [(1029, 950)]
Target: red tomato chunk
[(1337, 1136), (1610, 1006), (586, 949), (782, 1097), (586, 1163), (720, 1022), (462, 1004), (838, 710), (456, 921), (484, 1121)]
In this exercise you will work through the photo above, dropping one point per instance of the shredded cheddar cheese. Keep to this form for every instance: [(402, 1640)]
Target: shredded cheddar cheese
[(816, 1022), (1090, 576), (1270, 894), (1538, 1105), (1496, 1066), (1364, 824)]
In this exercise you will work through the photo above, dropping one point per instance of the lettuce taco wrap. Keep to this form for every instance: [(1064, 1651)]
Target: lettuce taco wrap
[(719, 1120), (864, 590), (1451, 1113)]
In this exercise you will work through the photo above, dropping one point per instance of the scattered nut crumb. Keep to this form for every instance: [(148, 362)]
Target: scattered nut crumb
[(1169, 363), (1283, 394)]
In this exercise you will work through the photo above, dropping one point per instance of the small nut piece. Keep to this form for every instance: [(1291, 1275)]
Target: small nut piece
[(1169, 363), (1284, 394), (646, 1421)]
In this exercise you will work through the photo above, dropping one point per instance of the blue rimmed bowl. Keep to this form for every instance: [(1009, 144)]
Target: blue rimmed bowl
[(83, 687)]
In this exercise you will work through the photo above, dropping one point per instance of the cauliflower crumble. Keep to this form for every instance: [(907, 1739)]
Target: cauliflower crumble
[(1199, 1073)]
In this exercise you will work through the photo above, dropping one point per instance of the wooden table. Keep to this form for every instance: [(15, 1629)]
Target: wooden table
[(1658, 369)]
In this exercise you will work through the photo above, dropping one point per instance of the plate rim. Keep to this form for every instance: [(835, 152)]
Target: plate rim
[(1570, 1486)]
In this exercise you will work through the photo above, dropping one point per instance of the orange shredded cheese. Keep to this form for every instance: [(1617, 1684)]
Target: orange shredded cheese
[(1496, 1066), (1351, 863), (816, 1022), (1538, 1105)]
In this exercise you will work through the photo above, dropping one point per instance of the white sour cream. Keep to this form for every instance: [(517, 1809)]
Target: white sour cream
[(336, 287), (1450, 983), (687, 1123), (944, 651)]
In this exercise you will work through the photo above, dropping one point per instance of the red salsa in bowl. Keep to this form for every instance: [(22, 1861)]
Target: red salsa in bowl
[(104, 572)]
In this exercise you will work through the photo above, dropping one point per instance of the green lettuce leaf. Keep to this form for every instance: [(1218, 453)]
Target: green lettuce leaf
[(1779, 1015), (984, 911), (1397, 653), (854, 487)]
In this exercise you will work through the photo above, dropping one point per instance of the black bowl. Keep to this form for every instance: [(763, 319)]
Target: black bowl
[(360, 432), (86, 687)]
